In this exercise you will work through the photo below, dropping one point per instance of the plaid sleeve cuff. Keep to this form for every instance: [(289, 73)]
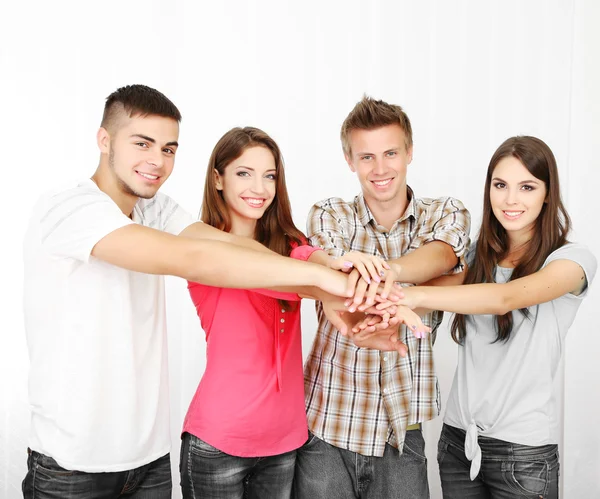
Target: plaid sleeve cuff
[(324, 227), (452, 228), (459, 243)]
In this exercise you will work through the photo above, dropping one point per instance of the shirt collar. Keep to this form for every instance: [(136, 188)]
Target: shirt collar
[(365, 216)]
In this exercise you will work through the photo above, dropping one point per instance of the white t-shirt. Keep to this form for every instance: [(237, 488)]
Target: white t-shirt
[(98, 381), (505, 390)]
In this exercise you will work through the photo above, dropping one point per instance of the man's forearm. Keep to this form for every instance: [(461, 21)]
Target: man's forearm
[(204, 231), (334, 278), (447, 280), (217, 263), (426, 263), (210, 262)]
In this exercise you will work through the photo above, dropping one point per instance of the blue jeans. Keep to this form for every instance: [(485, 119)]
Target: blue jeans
[(207, 472), (45, 479), (326, 471), (508, 470)]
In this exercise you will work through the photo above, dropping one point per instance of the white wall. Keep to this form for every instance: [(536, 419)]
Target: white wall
[(469, 74), (581, 449)]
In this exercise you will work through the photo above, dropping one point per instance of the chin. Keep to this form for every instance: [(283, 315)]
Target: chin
[(146, 193), (384, 198), (255, 216)]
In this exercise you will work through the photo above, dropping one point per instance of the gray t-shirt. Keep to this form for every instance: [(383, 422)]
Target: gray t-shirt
[(505, 390)]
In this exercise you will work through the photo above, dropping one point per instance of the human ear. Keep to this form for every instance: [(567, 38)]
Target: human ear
[(349, 161), (218, 180), (103, 140)]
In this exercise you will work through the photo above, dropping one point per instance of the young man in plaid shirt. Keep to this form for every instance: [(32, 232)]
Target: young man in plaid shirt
[(364, 406)]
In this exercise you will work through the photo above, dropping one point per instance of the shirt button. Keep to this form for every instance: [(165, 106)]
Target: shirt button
[(283, 310), (281, 330), (385, 359), (282, 320), (385, 390)]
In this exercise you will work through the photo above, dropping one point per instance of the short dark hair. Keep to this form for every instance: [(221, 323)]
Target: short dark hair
[(137, 100)]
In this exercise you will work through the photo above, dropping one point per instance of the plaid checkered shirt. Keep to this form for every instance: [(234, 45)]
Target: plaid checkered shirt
[(359, 398)]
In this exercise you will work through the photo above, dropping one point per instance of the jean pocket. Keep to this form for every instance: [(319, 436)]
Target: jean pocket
[(527, 477), (200, 447), (312, 439), (441, 451), (49, 466), (414, 445)]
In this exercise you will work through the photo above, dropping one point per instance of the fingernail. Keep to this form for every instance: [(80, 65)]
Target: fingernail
[(376, 279), (348, 265), (413, 327), (381, 273)]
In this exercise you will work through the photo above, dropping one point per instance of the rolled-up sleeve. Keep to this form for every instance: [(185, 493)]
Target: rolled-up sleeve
[(449, 223), (325, 227)]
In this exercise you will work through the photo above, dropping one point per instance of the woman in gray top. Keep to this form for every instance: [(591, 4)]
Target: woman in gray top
[(524, 285)]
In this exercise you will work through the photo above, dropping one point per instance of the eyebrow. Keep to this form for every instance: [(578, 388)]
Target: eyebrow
[(151, 140), (252, 169), (520, 183), (384, 152)]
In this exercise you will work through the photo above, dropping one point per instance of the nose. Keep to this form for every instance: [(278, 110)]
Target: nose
[(378, 167), (258, 186), (156, 159), (512, 196)]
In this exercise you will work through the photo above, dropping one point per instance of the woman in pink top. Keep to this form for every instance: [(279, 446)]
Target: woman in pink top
[(247, 417)]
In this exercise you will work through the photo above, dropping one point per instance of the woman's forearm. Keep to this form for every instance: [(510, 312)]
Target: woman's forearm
[(467, 299)]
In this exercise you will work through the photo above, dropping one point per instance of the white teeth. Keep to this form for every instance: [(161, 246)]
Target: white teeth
[(255, 202), (382, 182), (148, 176), (513, 213)]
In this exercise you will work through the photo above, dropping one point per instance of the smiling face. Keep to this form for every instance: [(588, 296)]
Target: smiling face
[(516, 197), (248, 186), (380, 159), (141, 153)]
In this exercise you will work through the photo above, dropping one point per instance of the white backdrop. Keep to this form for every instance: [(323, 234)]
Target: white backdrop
[(469, 75)]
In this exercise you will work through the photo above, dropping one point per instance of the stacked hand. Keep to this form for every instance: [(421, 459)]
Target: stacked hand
[(371, 317), (370, 267), (366, 273)]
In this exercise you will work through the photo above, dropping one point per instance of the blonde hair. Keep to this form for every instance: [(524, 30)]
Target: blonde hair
[(369, 114)]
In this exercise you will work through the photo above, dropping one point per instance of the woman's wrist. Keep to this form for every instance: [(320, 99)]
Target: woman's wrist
[(420, 297)]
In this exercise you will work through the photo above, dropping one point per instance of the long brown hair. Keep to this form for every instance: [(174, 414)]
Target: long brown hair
[(551, 228), (275, 229)]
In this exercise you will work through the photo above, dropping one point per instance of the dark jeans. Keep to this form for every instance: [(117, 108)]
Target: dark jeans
[(326, 471), (45, 479), (508, 470), (207, 472)]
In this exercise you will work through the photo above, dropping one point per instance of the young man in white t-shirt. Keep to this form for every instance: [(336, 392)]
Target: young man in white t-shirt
[(94, 256)]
